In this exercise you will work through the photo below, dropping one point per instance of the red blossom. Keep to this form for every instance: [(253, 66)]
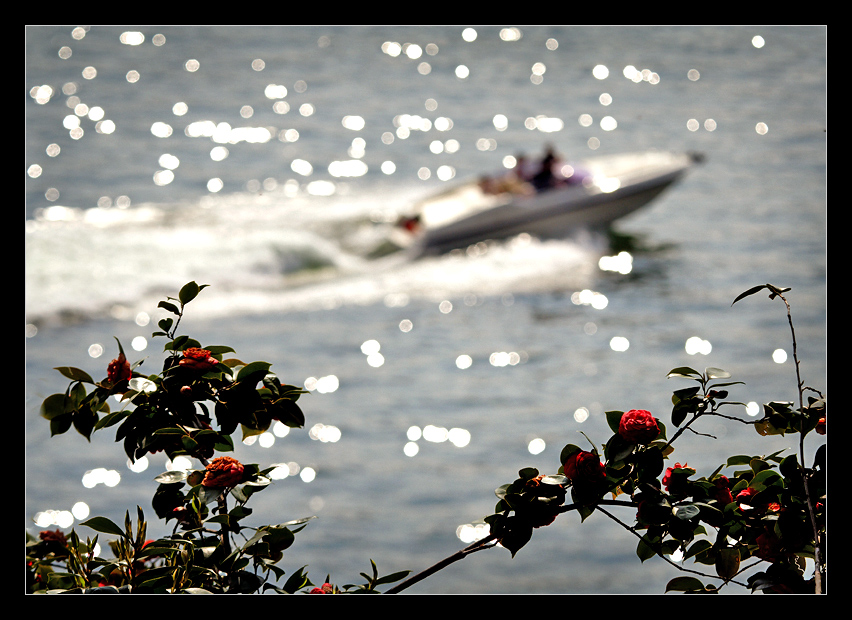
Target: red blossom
[(326, 588), (638, 426), (119, 369), (722, 493), (222, 472), (584, 467), (745, 496), (54, 537), (198, 359), (675, 484), (820, 427)]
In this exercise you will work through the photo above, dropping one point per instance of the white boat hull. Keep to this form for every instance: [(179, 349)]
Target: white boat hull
[(615, 187)]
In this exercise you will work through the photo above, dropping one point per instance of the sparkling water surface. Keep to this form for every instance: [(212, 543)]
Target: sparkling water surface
[(269, 161)]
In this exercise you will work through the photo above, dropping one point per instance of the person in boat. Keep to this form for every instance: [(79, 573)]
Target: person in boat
[(522, 171), (554, 172), (546, 177)]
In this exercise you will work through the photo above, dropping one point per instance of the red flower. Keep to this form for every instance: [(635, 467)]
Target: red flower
[(820, 427), (722, 494), (119, 369), (745, 496), (222, 472), (584, 467), (675, 485), (56, 537), (638, 426), (326, 588), (198, 359)]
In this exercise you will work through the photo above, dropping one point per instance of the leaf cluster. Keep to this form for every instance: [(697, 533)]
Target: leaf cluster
[(767, 508), (186, 408)]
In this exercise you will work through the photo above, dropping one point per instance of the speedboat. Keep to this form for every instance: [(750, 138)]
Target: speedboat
[(605, 189)]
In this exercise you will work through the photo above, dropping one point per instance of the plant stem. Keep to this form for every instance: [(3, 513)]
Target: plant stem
[(659, 554), (479, 545), (802, 470)]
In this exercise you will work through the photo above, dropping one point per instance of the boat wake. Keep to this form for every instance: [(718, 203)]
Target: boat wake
[(262, 257)]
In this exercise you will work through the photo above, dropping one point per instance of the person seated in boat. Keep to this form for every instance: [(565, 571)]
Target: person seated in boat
[(546, 178), (523, 170)]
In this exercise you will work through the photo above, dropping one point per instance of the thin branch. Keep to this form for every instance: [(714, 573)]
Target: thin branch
[(660, 554), (479, 545), (800, 387)]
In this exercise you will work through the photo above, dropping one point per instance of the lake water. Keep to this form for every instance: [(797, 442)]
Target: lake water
[(268, 161)]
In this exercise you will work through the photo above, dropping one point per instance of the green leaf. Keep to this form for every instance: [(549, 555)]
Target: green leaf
[(567, 451), (740, 459), (296, 581), (766, 478), (75, 374), (518, 536), (54, 406), (60, 424), (391, 578), (207, 494), (112, 418), (301, 521), (169, 306), (613, 418), (84, 421), (528, 473), (218, 349), (728, 562), (141, 384), (644, 550), (684, 584), (253, 369), (697, 547), (170, 477), (716, 373), (751, 291), (105, 526), (188, 292), (686, 512), (683, 371)]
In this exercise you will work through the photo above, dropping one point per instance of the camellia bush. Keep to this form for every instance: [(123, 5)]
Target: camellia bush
[(174, 411), (764, 511)]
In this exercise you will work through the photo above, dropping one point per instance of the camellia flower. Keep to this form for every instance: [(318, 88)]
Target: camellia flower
[(55, 537), (222, 472), (119, 369), (745, 496), (722, 493), (638, 426), (583, 467), (198, 359), (674, 485), (326, 588)]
